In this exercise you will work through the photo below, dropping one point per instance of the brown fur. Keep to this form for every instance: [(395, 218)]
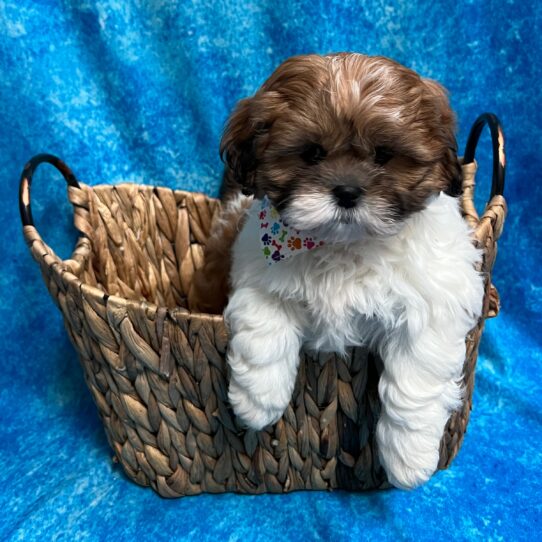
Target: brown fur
[(353, 106), (210, 284)]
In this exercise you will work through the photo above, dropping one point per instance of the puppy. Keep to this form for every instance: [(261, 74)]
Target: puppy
[(348, 233)]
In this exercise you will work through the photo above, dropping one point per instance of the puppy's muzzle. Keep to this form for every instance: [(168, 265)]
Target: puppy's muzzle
[(347, 196)]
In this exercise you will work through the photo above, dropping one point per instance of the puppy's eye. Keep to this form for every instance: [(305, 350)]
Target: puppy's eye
[(383, 155), (313, 153)]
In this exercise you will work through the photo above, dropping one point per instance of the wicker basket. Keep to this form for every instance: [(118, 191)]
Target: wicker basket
[(158, 374)]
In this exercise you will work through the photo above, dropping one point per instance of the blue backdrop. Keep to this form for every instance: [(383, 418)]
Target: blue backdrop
[(139, 91)]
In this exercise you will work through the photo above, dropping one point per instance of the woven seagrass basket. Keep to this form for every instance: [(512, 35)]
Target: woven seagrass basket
[(157, 372)]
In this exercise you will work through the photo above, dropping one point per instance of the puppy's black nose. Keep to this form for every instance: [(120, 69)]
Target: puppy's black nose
[(347, 196)]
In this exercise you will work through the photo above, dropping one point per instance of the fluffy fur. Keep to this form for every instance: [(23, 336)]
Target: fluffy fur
[(397, 271)]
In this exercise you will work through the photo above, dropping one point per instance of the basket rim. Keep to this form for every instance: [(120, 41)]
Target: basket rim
[(64, 269)]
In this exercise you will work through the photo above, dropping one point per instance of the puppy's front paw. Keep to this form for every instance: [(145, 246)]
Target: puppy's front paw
[(259, 394), (263, 355), (250, 411), (409, 457)]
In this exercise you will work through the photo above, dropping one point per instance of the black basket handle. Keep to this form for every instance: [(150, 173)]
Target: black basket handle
[(82, 251), (499, 156), (26, 182)]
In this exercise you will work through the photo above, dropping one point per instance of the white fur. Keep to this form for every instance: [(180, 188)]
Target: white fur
[(318, 212), (413, 296)]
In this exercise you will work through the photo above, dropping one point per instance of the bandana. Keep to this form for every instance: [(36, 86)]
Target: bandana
[(279, 241)]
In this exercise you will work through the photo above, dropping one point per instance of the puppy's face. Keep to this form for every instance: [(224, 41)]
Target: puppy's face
[(343, 145)]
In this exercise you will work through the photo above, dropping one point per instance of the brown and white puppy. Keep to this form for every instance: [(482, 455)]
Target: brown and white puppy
[(347, 234)]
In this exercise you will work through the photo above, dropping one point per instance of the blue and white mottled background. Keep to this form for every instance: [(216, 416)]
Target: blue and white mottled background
[(139, 91)]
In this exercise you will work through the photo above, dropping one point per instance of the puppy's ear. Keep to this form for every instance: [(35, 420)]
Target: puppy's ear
[(237, 149), (244, 140), (445, 121)]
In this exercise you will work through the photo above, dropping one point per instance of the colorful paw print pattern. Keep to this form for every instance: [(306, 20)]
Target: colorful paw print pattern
[(278, 240)]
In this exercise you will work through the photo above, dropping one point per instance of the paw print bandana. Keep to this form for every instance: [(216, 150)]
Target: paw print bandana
[(279, 241)]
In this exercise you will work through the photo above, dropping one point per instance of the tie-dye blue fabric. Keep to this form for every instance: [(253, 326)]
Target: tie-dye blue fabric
[(139, 91)]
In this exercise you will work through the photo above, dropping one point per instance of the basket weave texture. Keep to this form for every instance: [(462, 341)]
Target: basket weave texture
[(158, 375)]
